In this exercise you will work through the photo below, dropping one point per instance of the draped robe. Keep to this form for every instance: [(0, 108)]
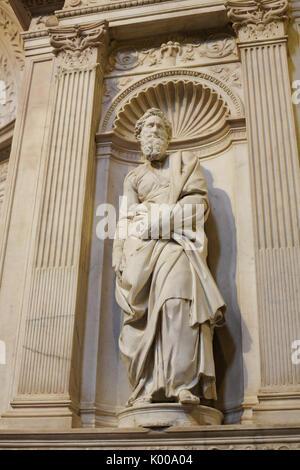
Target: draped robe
[(169, 298)]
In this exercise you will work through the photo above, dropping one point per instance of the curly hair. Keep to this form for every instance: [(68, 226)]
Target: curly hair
[(153, 112)]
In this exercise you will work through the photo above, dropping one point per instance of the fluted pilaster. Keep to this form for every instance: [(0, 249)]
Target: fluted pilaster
[(260, 26), (51, 348)]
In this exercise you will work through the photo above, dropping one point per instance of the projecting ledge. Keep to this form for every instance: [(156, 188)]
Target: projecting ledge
[(227, 437)]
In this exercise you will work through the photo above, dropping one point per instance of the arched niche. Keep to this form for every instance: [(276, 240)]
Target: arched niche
[(207, 117), (201, 108)]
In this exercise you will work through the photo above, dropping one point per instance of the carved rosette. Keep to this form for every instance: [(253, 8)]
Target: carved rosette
[(258, 19), (78, 47)]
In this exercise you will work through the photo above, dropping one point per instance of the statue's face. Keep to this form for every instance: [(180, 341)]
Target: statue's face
[(154, 138)]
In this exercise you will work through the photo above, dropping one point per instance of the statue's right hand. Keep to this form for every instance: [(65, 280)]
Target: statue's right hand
[(117, 263)]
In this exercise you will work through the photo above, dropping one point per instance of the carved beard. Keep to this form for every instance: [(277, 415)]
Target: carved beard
[(154, 148)]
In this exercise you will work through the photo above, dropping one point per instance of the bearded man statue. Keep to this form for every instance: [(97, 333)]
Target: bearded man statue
[(169, 298)]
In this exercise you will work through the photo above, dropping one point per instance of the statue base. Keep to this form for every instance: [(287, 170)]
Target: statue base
[(163, 415)]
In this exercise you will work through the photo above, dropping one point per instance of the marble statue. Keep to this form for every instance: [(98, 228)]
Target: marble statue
[(170, 301)]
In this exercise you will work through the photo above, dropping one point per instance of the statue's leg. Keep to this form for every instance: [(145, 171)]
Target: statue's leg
[(180, 350)]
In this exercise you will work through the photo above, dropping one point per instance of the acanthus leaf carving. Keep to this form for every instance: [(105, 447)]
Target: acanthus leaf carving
[(258, 19), (74, 46)]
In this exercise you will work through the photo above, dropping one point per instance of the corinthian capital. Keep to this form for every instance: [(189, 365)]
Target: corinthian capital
[(258, 19), (76, 45)]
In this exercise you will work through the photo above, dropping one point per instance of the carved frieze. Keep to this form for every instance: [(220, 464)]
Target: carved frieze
[(179, 51), (258, 19), (107, 4)]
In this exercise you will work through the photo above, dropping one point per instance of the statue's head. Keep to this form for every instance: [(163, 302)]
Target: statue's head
[(154, 131)]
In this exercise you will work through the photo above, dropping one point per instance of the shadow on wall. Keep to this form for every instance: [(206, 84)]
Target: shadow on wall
[(221, 233)]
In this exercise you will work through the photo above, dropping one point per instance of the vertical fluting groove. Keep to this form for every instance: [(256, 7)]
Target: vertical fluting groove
[(40, 346), (278, 268), (53, 339), (284, 157), (288, 331), (51, 184), (269, 136), (278, 118), (60, 86), (280, 323), (49, 328), (70, 188), (280, 189), (273, 169), (66, 162), (59, 188), (246, 76), (68, 229), (253, 118), (67, 338), (262, 163), (33, 347), (45, 353), (81, 176), (263, 319), (292, 164)]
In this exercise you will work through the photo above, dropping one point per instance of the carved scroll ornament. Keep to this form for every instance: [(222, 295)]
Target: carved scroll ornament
[(257, 19), (74, 45)]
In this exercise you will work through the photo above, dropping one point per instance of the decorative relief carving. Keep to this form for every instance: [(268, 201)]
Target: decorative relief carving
[(11, 32), (75, 46), (3, 177), (199, 111), (258, 19), (8, 92), (11, 64), (206, 79), (175, 52), (79, 3), (231, 74), (111, 89), (103, 4), (42, 22), (218, 46)]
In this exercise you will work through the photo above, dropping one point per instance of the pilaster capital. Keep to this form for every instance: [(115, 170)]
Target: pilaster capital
[(77, 47), (258, 19)]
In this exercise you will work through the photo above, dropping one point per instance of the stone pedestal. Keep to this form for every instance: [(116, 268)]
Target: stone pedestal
[(162, 415)]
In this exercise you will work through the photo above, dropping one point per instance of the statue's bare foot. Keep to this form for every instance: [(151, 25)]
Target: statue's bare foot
[(186, 397), (142, 401)]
